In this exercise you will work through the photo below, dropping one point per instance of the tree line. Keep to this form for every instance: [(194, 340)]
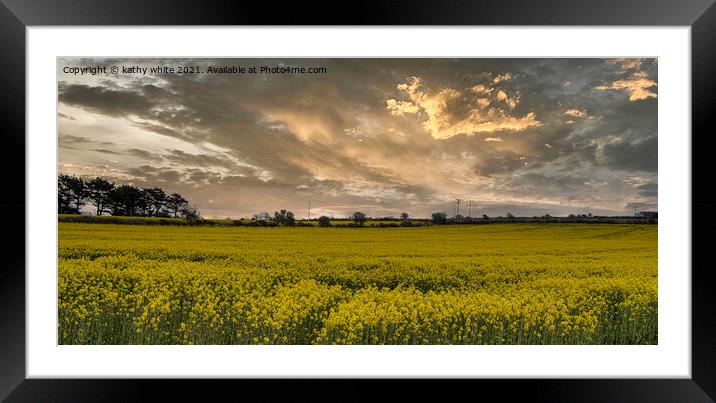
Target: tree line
[(106, 198), (286, 218)]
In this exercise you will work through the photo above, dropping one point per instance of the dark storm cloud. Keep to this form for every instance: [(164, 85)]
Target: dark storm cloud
[(201, 160), (389, 134), (143, 154), (642, 205), (648, 190), (640, 155), (148, 173), (105, 151), (70, 139), (535, 181), (105, 100)]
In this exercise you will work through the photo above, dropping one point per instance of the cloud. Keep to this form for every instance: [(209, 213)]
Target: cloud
[(641, 206), (143, 154), (400, 108), (626, 63), (450, 112), (105, 151), (640, 155), (648, 189), (65, 139), (577, 113), (636, 81), (105, 100), (501, 77), (482, 89), (510, 101), (638, 88), (148, 173)]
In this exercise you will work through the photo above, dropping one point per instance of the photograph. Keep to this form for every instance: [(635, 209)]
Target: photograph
[(357, 201)]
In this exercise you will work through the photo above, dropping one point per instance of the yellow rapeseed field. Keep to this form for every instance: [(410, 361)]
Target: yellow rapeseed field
[(480, 284)]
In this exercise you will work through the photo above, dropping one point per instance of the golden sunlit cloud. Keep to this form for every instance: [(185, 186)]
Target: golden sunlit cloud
[(637, 84), (627, 64), (483, 102), (577, 113), (305, 126), (399, 108), (502, 77), (442, 123), (511, 102), (482, 89), (638, 88)]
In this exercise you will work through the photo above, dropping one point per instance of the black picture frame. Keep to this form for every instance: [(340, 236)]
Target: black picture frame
[(16, 15)]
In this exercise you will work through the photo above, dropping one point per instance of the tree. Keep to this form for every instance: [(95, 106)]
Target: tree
[(190, 212), (261, 216), (439, 218), (64, 196), (510, 215), (406, 222), (174, 203), (155, 199), (125, 200), (285, 218), (75, 190), (98, 190), (485, 217), (324, 221), (290, 220), (359, 218)]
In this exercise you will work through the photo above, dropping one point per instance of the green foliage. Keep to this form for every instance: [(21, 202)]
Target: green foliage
[(155, 200), (72, 193), (439, 218), (98, 193), (359, 218), (174, 203), (125, 200), (284, 218), (324, 221)]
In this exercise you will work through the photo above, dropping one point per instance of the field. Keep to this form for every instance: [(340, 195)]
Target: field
[(486, 284)]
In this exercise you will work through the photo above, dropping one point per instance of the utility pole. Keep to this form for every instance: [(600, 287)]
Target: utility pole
[(458, 207), (469, 208), (309, 210)]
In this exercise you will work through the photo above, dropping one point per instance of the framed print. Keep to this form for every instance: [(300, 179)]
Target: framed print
[(425, 196)]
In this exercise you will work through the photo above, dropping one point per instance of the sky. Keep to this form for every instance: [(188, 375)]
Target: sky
[(381, 136)]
